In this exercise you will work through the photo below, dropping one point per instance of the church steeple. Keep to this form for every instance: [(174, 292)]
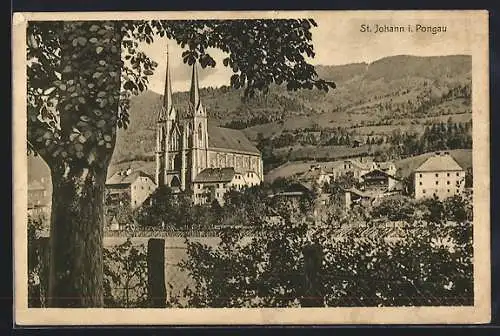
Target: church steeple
[(194, 93), (167, 95)]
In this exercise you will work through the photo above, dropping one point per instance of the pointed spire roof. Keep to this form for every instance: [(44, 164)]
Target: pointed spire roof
[(167, 109), (194, 93), (167, 96)]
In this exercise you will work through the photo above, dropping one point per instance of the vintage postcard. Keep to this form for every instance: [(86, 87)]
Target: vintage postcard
[(214, 168)]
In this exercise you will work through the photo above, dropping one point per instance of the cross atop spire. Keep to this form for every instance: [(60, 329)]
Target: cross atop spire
[(194, 93)]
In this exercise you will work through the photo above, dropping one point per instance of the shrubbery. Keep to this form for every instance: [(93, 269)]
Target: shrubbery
[(425, 262)]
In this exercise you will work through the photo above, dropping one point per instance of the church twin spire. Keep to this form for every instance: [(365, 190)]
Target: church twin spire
[(194, 92), (167, 96), (167, 110)]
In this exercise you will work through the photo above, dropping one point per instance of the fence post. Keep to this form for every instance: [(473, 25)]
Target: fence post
[(157, 293), (312, 296), (44, 262)]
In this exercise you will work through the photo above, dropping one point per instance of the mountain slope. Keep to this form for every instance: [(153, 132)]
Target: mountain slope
[(386, 94)]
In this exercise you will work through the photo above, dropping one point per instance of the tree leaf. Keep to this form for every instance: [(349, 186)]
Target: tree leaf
[(78, 147), (82, 41)]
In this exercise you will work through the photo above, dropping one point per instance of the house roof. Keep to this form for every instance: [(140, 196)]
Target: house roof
[(378, 172), (360, 192), (312, 174), (358, 164), (231, 139), (121, 177), (439, 162), (385, 165), (215, 175), (35, 186)]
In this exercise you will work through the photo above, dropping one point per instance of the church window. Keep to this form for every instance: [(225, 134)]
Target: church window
[(174, 140), (200, 135), (177, 162)]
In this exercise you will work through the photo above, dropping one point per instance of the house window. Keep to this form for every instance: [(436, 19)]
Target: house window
[(448, 190), (420, 183), (420, 175), (437, 182), (437, 175), (448, 174), (458, 174), (448, 182), (423, 191)]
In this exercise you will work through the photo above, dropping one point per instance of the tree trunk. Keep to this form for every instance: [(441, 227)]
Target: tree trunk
[(76, 237)]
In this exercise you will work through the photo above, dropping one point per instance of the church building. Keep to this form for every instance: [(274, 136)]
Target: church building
[(197, 157)]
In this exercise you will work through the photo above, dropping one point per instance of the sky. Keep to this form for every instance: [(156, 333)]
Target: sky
[(337, 40)]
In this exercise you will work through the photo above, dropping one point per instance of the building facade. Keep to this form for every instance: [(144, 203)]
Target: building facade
[(187, 145), (39, 199), (130, 188), (439, 176), (359, 167)]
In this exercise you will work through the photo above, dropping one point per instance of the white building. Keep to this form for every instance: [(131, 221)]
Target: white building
[(212, 183), (440, 175), (133, 187)]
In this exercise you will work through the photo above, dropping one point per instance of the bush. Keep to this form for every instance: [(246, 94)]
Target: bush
[(125, 276), (420, 264)]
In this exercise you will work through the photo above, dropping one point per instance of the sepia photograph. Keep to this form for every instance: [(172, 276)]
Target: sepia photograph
[(296, 167)]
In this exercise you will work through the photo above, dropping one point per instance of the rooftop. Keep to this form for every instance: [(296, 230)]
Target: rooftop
[(215, 175), (35, 186), (231, 139), (378, 172), (126, 177), (441, 161)]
